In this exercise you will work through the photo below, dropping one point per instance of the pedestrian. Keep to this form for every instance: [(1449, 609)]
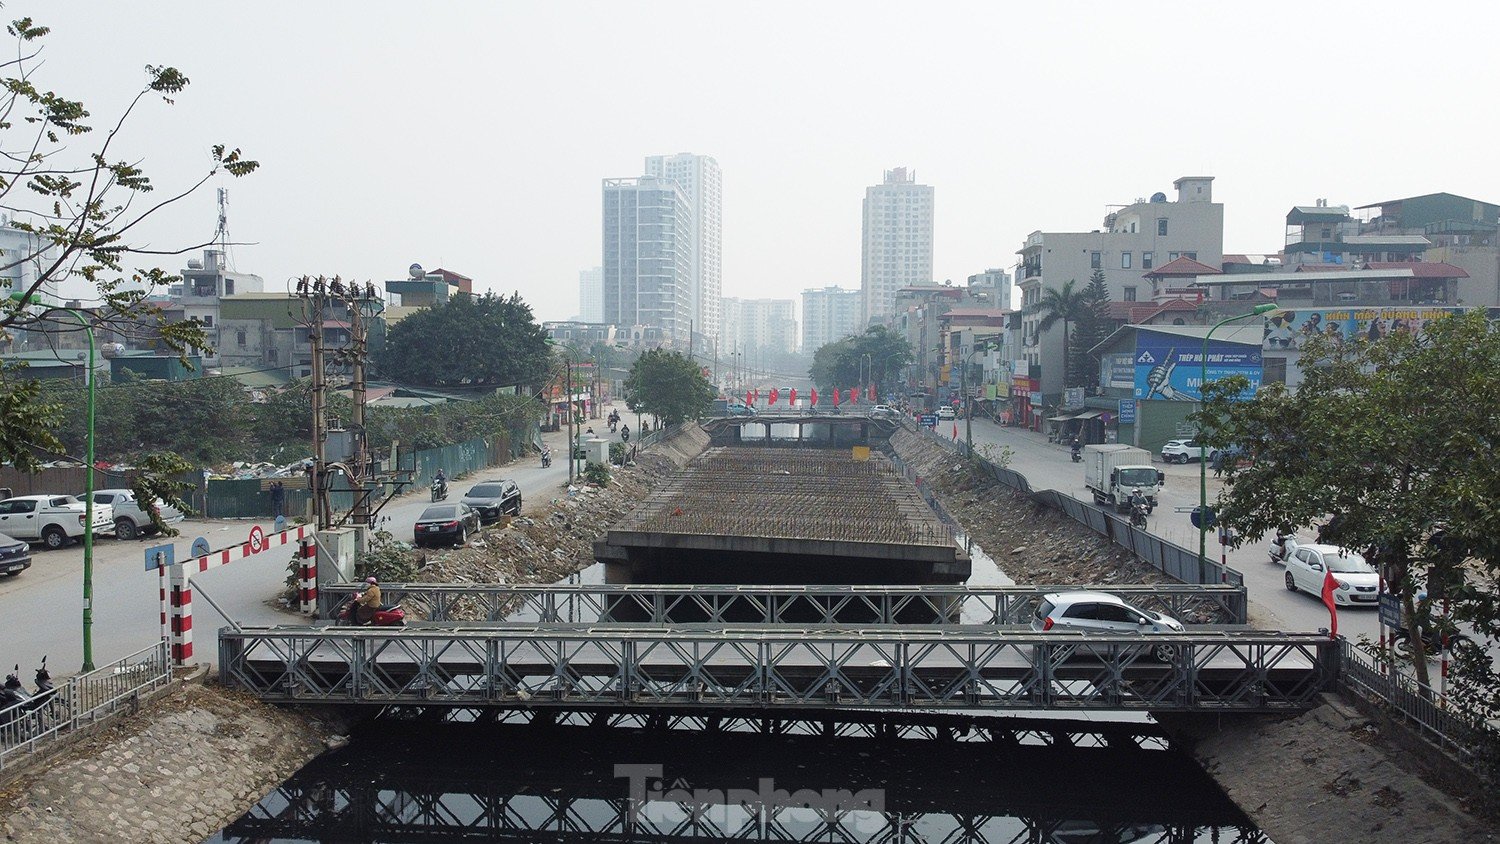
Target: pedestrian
[(278, 499)]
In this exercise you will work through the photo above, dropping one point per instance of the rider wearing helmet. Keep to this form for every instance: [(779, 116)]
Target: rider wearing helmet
[(369, 601)]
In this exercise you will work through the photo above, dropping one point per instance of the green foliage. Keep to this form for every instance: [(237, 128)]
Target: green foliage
[(669, 386), (386, 560), (469, 342), (82, 207), (617, 453), (1068, 306), (1092, 327), (1389, 448), (996, 455), (596, 474), (202, 420), (159, 483), (879, 354)]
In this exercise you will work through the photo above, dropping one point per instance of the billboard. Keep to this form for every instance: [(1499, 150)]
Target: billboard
[(1169, 366), (1289, 329)]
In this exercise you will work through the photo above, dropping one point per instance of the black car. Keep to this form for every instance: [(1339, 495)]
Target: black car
[(445, 524), (15, 555), (494, 499)]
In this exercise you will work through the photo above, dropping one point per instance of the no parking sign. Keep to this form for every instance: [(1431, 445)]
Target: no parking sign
[(257, 539)]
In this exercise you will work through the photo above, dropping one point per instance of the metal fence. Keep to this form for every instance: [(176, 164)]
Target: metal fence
[(1364, 674), (32, 725), (1166, 556)]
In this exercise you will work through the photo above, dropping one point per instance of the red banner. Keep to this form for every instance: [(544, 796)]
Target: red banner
[(1330, 584), (775, 394), (814, 396), (835, 398), (854, 395), (749, 402), (871, 392), (791, 398)]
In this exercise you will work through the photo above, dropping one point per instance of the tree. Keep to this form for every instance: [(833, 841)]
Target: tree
[(1389, 448), (1069, 306), (485, 341), (80, 210), (1093, 327), (878, 355), (669, 386)]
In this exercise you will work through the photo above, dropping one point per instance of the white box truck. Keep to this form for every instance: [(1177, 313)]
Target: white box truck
[(1113, 471)]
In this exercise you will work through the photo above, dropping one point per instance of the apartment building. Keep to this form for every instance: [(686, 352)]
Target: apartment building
[(829, 314), (699, 179), (759, 326), (649, 263), (897, 243)]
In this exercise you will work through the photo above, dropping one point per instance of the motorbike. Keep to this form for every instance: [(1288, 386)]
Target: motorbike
[(1077, 455), (1138, 515), (1280, 553), (439, 490), (546, 459), (386, 615), (1432, 642), (15, 701)]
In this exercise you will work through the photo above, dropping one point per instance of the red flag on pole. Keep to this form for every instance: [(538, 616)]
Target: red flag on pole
[(835, 397), (814, 396), (1330, 585), (749, 402), (775, 394), (854, 395), (791, 398), (756, 393), (955, 432), (871, 392)]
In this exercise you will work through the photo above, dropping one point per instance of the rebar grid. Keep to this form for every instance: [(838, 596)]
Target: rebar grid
[(790, 494)]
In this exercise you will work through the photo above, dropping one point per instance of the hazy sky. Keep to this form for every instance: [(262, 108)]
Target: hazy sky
[(474, 135)]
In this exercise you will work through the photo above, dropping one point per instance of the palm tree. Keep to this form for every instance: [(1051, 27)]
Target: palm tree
[(1068, 305)]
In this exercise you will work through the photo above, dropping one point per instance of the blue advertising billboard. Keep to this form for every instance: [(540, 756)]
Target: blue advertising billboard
[(1168, 367), (1289, 329)]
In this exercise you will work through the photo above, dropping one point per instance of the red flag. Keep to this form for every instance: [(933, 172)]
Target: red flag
[(955, 432), (1330, 584), (871, 392), (814, 396), (756, 393), (792, 398), (854, 395), (835, 397), (775, 394), (749, 402)]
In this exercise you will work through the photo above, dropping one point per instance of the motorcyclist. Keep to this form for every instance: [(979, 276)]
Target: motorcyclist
[(1282, 545), (546, 456), (1138, 499), (368, 601), (1077, 447), (625, 433), (441, 479)]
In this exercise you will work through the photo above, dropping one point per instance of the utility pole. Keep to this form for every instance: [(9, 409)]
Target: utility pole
[(963, 382), (361, 467), (313, 292), (568, 392)]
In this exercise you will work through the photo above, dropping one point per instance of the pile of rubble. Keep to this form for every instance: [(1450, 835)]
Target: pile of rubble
[(1030, 542)]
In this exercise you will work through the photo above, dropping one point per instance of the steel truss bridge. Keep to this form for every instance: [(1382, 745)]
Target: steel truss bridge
[(805, 605), (912, 667)]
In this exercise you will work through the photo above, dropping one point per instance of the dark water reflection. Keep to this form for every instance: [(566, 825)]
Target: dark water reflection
[(402, 781)]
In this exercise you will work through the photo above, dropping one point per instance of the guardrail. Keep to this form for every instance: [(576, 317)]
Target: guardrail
[(1470, 741), (906, 667), (29, 726), (806, 605)]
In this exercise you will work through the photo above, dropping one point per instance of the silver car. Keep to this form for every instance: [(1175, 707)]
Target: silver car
[(1101, 612)]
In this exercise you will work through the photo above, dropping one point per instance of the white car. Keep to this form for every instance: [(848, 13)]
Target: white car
[(883, 411), (1182, 451), (947, 412), (1357, 581), (1101, 612)]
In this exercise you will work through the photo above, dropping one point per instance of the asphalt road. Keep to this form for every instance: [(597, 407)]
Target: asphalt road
[(41, 609), (1049, 466)]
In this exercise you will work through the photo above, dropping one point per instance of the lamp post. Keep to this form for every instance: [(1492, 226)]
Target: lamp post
[(1258, 310), (865, 370), (88, 490)]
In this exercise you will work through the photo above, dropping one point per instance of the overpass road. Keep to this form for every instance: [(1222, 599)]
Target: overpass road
[(1049, 466)]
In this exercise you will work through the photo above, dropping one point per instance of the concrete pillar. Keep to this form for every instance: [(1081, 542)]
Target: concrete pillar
[(181, 601), (308, 570)]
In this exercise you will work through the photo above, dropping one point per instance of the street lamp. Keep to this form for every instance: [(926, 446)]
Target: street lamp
[(1258, 310), (88, 489)]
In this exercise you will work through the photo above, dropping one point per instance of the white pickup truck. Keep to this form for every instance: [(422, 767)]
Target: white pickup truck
[(132, 520), (53, 520)]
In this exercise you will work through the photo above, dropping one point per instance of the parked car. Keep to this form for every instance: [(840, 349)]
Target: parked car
[(15, 555), (947, 412), (53, 520), (883, 411), (1101, 612), (131, 520), (445, 524), (492, 499), (1357, 582), (1183, 451)]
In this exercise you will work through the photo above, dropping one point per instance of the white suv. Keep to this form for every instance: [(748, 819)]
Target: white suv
[(1183, 451)]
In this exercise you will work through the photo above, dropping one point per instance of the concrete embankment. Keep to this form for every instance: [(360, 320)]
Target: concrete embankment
[(190, 761)]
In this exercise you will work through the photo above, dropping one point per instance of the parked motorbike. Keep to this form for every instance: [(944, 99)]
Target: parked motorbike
[(386, 615), (15, 701), (1432, 642), (439, 490), (1138, 515)]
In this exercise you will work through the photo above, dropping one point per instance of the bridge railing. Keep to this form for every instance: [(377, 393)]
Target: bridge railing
[(807, 605), (30, 726), (979, 669)]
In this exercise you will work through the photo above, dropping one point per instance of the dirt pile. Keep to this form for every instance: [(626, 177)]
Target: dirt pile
[(1030, 542)]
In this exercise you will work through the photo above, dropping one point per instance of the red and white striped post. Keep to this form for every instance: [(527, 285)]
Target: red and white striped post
[(181, 602), (308, 550)]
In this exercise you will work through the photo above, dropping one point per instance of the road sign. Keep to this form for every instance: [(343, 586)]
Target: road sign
[(1390, 610), (1207, 519), (257, 539), (929, 419), (280, 524), (200, 547), (160, 556)]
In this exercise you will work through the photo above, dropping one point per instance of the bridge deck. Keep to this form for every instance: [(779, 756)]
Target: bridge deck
[(929, 667)]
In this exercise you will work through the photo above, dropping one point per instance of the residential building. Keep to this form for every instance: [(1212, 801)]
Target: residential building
[(829, 314), (649, 261), (24, 256), (973, 356), (759, 327), (699, 178), (993, 286), (916, 316), (425, 289), (591, 295), (897, 240), (583, 335), (271, 331), (1134, 240), (205, 285), (1461, 232)]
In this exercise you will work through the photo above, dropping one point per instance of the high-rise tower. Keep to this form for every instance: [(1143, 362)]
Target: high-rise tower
[(897, 239), (698, 177)]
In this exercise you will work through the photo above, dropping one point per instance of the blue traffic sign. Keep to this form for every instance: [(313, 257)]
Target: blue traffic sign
[(929, 419), (200, 547), (160, 556), (1390, 610)]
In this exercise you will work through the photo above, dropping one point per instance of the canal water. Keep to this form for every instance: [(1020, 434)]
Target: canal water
[(406, 781)]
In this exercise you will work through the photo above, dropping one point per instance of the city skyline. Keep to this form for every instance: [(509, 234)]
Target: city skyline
[(796, 136)]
